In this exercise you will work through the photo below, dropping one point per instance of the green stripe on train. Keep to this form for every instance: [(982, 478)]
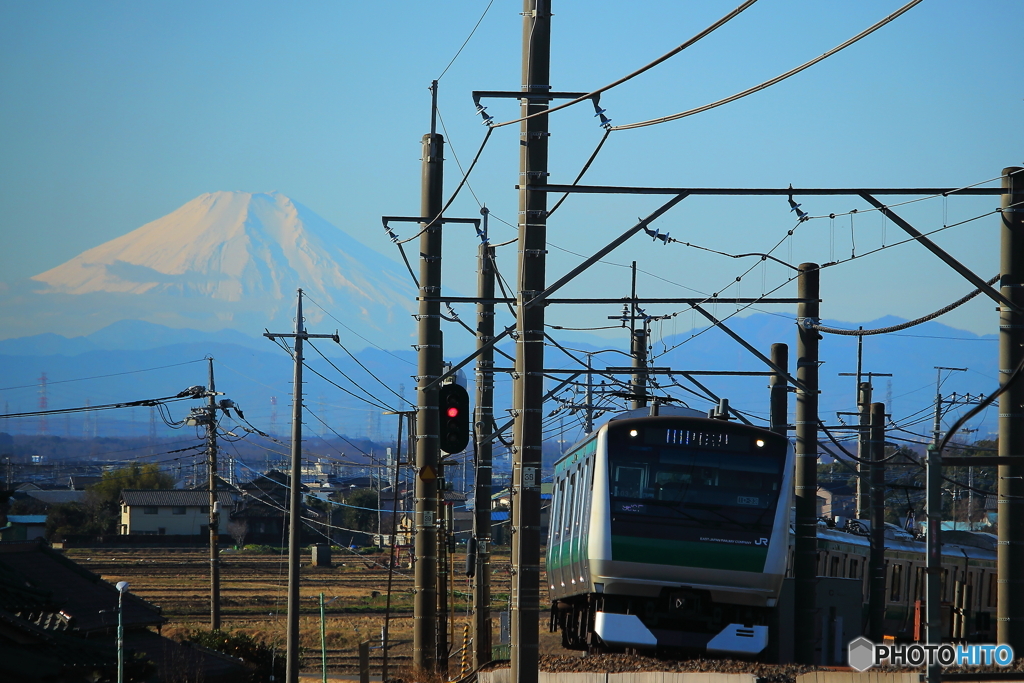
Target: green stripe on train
[(744, 558)]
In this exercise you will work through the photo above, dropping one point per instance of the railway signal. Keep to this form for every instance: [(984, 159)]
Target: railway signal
[(453, 401)]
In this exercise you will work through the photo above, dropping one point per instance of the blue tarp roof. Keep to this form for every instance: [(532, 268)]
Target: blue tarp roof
[(26, 519)]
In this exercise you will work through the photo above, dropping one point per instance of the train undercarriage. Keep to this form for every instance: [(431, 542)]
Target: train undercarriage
[(677, 619)]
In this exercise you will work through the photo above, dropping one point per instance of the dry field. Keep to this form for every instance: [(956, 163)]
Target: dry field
[(254, 598)]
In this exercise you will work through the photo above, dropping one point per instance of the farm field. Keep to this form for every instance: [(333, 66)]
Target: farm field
[(253, 590)]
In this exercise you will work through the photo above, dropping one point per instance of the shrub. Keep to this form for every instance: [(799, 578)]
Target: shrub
[(260, 658)]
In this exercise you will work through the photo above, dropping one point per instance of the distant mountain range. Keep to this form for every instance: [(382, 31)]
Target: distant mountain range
[(133, 360), (131, 319)]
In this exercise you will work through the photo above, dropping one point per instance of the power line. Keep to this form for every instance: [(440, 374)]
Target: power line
[(105, 406), (466, 42), (671, 53), (113, 374), (332, 317), (773, 81), (340, 372)]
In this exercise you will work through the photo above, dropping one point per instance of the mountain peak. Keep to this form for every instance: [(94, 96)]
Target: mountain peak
[(239, 251)]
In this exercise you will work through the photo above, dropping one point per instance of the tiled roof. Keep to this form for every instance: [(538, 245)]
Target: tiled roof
[(82, 595), (54, 497), (174, 497)]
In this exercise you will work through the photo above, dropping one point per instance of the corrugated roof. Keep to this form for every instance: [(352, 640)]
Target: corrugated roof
[(174, 497), (499, 515)]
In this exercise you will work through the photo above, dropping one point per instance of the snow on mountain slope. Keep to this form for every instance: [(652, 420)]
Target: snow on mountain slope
[(228, 253)]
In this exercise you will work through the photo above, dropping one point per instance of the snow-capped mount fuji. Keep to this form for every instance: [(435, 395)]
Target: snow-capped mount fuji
[(235, 259)]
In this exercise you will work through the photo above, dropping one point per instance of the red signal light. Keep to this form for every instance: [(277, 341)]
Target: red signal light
[(453, 412)]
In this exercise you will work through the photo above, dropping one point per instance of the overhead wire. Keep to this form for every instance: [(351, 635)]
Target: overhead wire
[(330, 315), (466, 41), (671, 53), (112, 374), (910, 323), (372, 399), (766, 84), (465, 177), (338, 386)]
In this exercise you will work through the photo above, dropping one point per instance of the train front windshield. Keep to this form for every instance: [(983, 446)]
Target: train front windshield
[(694, 481)]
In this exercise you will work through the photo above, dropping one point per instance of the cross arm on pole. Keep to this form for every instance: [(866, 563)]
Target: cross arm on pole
[(978, 282), (763, 358), (304, 335)]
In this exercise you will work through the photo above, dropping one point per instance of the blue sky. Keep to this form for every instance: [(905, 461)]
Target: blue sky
[(116, 113)]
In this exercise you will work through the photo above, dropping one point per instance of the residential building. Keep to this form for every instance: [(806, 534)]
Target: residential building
[(171, 512)]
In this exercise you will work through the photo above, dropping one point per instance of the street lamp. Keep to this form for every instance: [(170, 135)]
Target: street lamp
[(122, 588)]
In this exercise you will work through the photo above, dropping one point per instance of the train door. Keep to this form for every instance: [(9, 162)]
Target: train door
[(577, 516), (586, 496)]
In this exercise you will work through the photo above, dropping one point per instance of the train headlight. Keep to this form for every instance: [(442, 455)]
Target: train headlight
[(633, 432), (759, 443)]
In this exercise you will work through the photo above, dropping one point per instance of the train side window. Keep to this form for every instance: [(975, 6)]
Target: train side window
[(854, 567), (942, 584), (896, 590), (919, 583), (993, 590), (833, 569), (581, 494), (556, 524), (567, 514)]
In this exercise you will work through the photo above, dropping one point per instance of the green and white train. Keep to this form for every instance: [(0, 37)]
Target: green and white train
[(670, 531), (673, 531)]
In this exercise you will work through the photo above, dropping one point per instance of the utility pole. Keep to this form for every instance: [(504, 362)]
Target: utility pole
[(429, 354), (588, 409), (638, 350), (779, 392), (864, 451), (933, 557), (295, 491), (528, 391), (211, 450), (483, 426), (864, 390), (1010, 555), (876, 553), (937, 421), (806, 552), (638, 383), (933, 508)]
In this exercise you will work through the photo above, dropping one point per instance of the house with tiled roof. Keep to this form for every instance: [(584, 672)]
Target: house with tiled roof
[(170, 512), (58, 622)]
